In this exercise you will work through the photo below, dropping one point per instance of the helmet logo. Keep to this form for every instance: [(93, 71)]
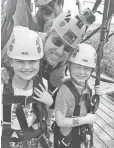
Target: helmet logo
[(85, 60), (10, 47), (62, 23), (74, 54), (39, 49), (70, 37), (12, 43), (95, 58), (68, 16), (25, 53), (77, 49), (38, 45)]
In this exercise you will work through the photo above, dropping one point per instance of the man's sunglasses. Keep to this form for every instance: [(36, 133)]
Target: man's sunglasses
[(57, 41)]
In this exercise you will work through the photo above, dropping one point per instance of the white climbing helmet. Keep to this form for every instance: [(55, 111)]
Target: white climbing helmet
[(42, 2), (71, 27), (84, 55), (25, 44)]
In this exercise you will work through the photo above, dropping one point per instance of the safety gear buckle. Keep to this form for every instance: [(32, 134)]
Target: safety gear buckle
[(65, 142)]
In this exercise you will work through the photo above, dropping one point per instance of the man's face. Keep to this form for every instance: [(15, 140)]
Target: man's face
[(55, 49)]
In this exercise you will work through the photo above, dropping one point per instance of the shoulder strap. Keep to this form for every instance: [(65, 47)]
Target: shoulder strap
[(74, 91), (77, 96)]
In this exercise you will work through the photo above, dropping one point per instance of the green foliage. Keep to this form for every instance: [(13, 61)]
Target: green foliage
[(107, 62)]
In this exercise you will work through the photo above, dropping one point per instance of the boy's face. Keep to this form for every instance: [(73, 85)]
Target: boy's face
[(80, 73), (25, 69), (55, 49)]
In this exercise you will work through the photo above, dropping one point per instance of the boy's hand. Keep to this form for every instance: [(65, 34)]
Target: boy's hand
[(102, 89), (4, 76), (91, 118), (43, 96)]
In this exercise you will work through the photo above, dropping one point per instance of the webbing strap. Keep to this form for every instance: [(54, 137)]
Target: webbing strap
[(21, 117), (43, 143), (75, 130), (6, 133), (10, 99)]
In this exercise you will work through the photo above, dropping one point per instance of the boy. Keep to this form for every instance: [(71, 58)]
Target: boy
[(71, 112)]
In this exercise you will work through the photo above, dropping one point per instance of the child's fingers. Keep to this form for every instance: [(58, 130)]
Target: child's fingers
[(42, 88), (37, 93), (38, 99)]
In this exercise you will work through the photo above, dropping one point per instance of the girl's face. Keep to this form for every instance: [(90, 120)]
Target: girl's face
[(80, 73), (25, 69)]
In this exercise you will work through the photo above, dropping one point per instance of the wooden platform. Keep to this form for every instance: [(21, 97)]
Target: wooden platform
[(104, 125)]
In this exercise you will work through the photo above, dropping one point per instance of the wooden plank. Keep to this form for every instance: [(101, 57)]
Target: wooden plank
[(98, 143), (106, 117), (107, 110), (104, 126), (103, 136), (108, 99), (107, 104)]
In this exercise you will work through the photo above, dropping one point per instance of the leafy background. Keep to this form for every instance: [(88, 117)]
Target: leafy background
[(107, 62)]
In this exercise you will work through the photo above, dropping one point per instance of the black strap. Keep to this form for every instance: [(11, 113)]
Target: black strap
[(9, 98), (77, 96), (43, 142), (6, 133), (74, 91)]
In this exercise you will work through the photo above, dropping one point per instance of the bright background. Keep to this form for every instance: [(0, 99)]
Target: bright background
[(70, 4)]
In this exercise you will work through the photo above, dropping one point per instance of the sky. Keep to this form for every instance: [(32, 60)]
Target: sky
[(88, 3)]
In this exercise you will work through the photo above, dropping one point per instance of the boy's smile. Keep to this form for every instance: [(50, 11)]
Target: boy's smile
[(80, 73)]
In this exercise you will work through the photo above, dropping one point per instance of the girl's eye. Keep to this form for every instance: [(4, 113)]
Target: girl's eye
[(19, 61)]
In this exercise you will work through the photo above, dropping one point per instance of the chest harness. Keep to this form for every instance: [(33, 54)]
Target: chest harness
[(39, 110), (46, 73), (78, 134)]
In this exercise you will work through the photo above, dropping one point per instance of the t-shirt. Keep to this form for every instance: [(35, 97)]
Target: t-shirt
[(28, 109), (65, 103)]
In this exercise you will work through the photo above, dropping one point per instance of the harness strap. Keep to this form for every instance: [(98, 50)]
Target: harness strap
[(9, 99), (77, 132), (6, 133), (28, 132)]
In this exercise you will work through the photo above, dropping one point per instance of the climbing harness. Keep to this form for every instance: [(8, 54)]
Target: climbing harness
[(78, 134), (27, 132)]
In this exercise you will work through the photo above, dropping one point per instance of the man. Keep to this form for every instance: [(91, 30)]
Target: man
[(59, 42)]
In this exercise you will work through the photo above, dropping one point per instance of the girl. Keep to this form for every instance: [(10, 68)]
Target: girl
[(25, 95)]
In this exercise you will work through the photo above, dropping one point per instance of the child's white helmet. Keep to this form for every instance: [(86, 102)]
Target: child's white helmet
[(71, 27), (85, 55), (25, 44)]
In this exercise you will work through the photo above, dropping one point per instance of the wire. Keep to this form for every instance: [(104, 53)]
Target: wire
[(93, 2)]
